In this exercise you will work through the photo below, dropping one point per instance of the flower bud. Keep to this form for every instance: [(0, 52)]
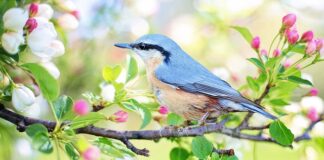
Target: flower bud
[(33, 9), (289, 20), (91, 153), (255, 43), (52, 69), (76, 14), (264, 52), (287, 63), (292, 36), (312, 114), (11, 42), (119, 116), (22, 97), (163, 110), (276, 52), (307, 36), (313, 92), (45, 11), (31, 24), (68, 21), (311, 47), (15, 19), (81, 107), (319, 44)]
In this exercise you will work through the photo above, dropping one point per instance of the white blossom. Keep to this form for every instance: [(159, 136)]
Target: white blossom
[(108, 92), (312, 101), (15, 19), (68, 21), (11, 41), (45, 11), (52, 69), (22, 97)]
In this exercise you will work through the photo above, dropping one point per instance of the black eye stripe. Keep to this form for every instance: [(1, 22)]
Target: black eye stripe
[(145, 46)]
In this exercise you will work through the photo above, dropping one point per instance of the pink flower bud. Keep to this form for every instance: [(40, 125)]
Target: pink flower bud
[(292, 36), (276, 52), (307, 36), (81, 107), (91, 153), (33, 9), (163, 110), (312, 114), (313, 92), (311, 47), (76, 14), (264, 52), (255, 44), (319, 44), (119, 116), (31, 24), (287, 63), (289, 20)]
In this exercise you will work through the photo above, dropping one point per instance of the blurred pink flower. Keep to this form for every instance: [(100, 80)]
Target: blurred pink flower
[(313, 92), (311, 47), (307, 36), (264, 52), (119, 116), (76, 14), (31, 24), (289, 20), (163, 110), (276, 52), (68, 21), (312, 114), (255, 43), (91, 153), (319, 44), (292, 36), (81, 107), (33, 9), (287, 63)]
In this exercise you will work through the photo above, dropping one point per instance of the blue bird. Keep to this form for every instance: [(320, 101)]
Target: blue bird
[(184, 85)]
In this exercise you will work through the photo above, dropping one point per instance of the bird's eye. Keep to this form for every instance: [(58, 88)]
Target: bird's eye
[(141, 46)]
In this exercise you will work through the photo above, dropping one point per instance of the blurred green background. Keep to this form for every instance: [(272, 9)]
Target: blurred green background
[(202, 28)]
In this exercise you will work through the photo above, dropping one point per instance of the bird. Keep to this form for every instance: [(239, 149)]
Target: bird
[(186, 86)]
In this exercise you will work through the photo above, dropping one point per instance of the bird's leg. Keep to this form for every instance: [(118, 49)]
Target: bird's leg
[(203, 119)]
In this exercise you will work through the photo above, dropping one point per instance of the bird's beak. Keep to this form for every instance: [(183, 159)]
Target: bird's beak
[(123, 45)]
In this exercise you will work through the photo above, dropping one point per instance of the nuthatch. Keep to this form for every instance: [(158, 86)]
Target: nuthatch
[(184, 85)]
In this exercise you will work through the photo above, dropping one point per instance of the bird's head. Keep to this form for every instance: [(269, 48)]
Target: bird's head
[(152, 46)]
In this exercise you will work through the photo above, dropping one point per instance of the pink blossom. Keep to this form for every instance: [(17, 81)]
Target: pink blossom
[(120, 116), (81, 107), (264, 52), (33, 9), (276, 52), (292, 36), (313, 92), (319, 44), (255, 43), (76, 14), (289, 20), (307, 36), (312, 114), (31, 24), (163, 110), (287, 63), (311, 47), (91, 153)]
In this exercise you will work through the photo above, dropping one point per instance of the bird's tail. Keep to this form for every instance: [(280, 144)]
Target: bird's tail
[(256, 109)]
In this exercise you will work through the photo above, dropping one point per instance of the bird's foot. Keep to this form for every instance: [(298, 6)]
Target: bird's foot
[(203, 119)]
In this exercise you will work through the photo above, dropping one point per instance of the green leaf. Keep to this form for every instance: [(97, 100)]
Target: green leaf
[(90, 118), (111, 74), (278, 102), (134, 106), (71, 151), (42, 142), (257, 63), (132, 69), (298, 48), (47, 83), (244, 32), (179, 153), (281, 133), (174, 119), (62, 105), (252, 83), (229, 158), (35, 129), (113, 148), (201, 147), (214, 156), (299, 80)]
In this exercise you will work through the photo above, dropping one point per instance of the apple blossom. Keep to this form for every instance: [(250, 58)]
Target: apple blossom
[(68, 21), (311, 47), (22, 97), (312, 114), (33, 9), (163, 110), (11, 41), (264, 52), (255, 43), (313, 92), (91, 153), (276, 52), (287, 63), (15, 19), (45, 11), (81, 107), (76, 14), (289, 20), (312, 101), (31, 24), (319, 44), (119, 116), (108, 92), (307, 36), (292, 36), (51, 68)]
